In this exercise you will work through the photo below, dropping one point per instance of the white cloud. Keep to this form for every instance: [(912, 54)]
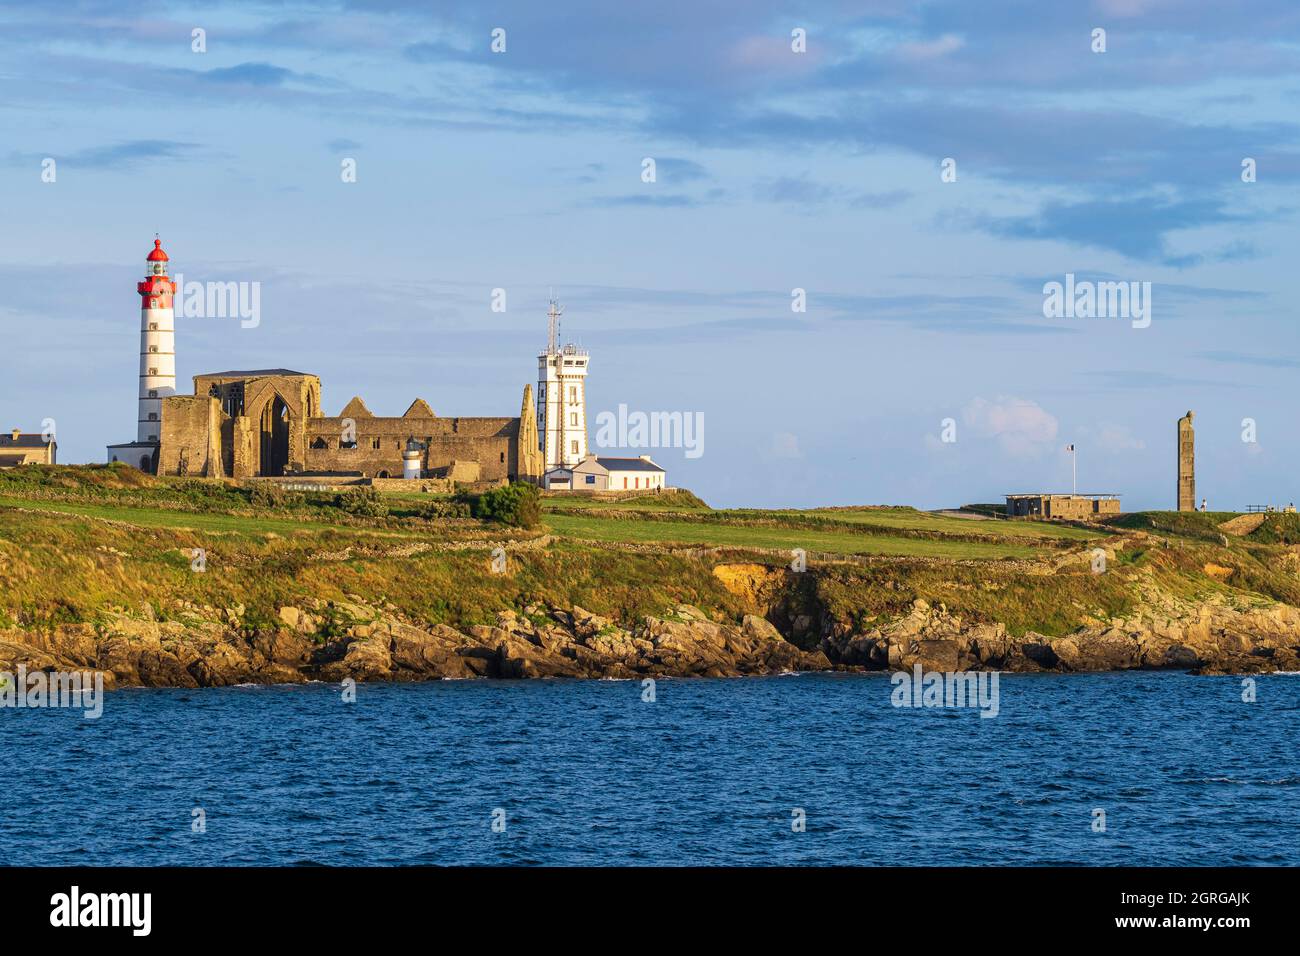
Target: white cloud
[(1111, 438), (932, 49), (1021, 427), (785, 445)]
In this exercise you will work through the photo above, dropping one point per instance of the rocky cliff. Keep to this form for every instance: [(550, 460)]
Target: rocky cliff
[(205, 646)]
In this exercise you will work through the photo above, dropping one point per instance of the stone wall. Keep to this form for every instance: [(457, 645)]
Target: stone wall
[(190, 441), (268, 422), (491, 442)]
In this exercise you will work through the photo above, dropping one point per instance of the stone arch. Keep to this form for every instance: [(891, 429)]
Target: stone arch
[(274, 424)]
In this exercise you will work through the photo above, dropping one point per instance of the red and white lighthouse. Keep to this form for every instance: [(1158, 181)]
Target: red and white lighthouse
[(157, 363), (157, 344)]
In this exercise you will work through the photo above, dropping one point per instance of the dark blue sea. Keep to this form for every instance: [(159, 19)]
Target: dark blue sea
[(711, 772)]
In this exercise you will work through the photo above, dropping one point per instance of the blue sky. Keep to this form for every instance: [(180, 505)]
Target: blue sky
[(775, 170)]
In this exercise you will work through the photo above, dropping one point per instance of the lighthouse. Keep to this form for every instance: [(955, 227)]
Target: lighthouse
[(561, 398), (157, 362)]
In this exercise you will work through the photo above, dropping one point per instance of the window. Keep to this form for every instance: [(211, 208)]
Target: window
[(591, 479), (153, 348), (575, 446), (503, 458), (625, 481), (573, 394), (153, 393), (153, 371), (374, 443), (153, 326), (153, 416), (638, 482), (573, 419)]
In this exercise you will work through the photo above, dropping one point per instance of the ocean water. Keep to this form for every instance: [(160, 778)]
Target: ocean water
[(711, 772)]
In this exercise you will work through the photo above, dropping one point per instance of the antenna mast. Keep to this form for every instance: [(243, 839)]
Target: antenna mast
[(553, 326)]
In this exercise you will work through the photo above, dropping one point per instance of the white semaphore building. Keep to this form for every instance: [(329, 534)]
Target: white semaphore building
[(157, 362), (561, 399)]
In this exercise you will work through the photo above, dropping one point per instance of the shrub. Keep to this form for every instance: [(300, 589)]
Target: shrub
[(364, 501), (440, 508), (518, 505)]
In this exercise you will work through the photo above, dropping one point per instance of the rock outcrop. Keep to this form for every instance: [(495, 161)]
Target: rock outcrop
[(202, 646), (1212, 636), (207, 647)]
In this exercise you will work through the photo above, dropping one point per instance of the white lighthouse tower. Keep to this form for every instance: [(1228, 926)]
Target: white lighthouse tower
[(157, 362), (561, 398)]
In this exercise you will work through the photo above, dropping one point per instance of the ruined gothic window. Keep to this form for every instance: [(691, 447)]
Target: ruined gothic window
[(318, 442)]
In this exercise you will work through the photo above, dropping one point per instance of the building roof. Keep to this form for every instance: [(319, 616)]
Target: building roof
[(157, 255), (253, 373), (627, 464), (1065, 494), (24, 440)]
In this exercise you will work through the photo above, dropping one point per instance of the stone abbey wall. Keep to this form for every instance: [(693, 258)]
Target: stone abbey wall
[(269, 423), (379, 443)]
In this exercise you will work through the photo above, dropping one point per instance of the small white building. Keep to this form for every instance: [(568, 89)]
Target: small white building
[(598, 473), (558, 479)]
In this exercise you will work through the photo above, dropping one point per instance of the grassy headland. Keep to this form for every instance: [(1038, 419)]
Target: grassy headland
[(88, 544)]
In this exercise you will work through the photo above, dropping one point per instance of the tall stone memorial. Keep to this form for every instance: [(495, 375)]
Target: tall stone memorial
[(1186, 464)]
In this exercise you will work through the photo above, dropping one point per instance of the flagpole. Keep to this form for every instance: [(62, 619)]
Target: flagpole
[(1074, 463)]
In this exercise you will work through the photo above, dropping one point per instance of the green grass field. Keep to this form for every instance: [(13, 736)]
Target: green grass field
[(720, 534), (78, 542), (198, 521)]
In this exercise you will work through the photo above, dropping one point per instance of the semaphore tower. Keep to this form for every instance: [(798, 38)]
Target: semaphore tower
[(561, 398)]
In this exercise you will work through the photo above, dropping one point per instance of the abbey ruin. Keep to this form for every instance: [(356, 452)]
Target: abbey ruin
[(268, 422)]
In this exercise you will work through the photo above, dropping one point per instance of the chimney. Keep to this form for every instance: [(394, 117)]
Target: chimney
[(16, 432)]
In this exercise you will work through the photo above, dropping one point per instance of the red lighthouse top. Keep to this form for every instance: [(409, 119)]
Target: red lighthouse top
[(156, 290)]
